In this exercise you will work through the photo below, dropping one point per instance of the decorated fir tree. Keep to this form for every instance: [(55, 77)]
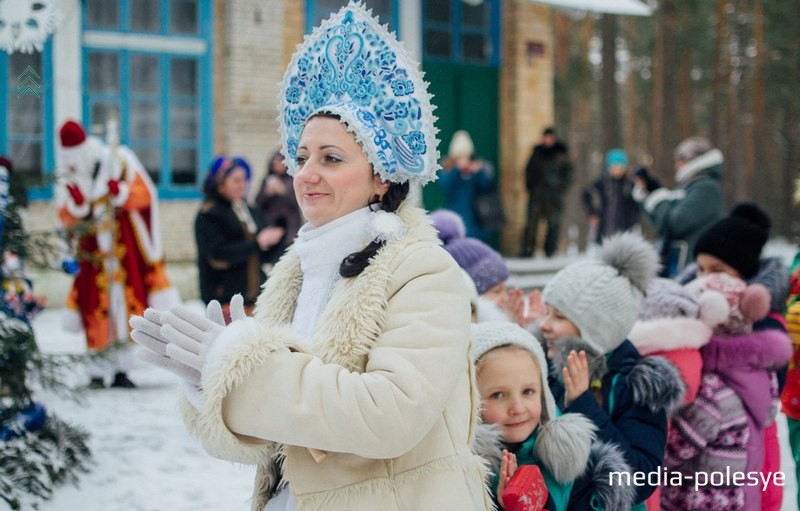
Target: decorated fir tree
[(38, 451)]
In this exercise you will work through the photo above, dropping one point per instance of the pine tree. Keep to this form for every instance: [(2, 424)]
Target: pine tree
[(38, 451)]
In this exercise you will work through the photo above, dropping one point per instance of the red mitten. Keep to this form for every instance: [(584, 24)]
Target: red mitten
[(526, 491), (113, 187), (76, 194)]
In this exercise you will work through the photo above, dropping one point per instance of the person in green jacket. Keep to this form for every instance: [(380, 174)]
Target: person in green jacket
[(681, 215)]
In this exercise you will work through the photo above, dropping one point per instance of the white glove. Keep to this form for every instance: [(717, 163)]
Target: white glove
[(147, 333), (190, 335)]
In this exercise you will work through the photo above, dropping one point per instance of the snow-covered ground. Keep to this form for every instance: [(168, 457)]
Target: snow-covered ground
[(145, 460)]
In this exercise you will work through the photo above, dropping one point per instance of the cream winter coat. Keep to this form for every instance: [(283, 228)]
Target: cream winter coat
[(387, 391)]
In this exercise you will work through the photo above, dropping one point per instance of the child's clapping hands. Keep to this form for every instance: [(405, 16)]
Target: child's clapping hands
[(575, 376), (508, 466)]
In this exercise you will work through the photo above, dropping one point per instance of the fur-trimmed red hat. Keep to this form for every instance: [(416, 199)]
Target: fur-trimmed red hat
[(72, 134)]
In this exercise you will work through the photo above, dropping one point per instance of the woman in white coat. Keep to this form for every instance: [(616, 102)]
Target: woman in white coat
[(351, 386)]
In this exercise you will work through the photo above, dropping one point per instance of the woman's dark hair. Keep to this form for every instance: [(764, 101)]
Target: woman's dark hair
[(356, 262)]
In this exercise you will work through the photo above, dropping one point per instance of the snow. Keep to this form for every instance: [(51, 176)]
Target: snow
[(146, 461), (144, 458)]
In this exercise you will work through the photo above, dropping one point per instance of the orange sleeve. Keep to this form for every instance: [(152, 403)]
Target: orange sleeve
[(139, 197)]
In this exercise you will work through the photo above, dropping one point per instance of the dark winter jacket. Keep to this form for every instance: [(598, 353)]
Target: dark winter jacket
[(228, 257), (636, 393), (612, 200), (548, 175), (281, 210), (680, 216)]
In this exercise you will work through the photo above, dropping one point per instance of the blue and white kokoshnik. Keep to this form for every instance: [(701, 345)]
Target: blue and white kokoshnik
[(353, 67)]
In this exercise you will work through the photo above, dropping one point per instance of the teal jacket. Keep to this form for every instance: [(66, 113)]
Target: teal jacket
[(680, 216)]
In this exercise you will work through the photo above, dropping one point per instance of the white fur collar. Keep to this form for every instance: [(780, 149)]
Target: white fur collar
[(356, 305), (702, 162), (321, 251), (667, 334)]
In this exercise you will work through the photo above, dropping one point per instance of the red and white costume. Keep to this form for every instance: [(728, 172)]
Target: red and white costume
[(120, 255)]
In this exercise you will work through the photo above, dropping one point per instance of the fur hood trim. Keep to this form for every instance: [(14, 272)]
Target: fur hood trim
[(597, 362), (604, 459), (693, 167), (667, 334), (657, 384), (562, 446), (764, 349), (488, 444)]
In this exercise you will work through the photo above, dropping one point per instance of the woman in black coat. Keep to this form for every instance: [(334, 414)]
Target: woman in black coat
[(233, 240), (277, 202)]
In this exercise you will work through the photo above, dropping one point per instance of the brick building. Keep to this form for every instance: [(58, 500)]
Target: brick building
[(190, 78)]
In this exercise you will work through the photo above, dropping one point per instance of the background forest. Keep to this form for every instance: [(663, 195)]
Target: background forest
[(725, 69)]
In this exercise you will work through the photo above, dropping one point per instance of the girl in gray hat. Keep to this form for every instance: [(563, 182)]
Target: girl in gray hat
[(600, 374)]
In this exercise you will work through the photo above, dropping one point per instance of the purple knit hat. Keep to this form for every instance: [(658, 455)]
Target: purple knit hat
[(486, 267), (449, 225)]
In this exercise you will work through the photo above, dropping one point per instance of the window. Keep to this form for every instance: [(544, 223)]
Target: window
[(461, 31), (157, 84), (25, 98), (318, 10)]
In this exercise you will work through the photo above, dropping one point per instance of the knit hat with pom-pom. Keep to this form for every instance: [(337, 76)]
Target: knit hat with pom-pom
[(448, 224), (602, 296), (483, 263), (748, 304), (737, 239)]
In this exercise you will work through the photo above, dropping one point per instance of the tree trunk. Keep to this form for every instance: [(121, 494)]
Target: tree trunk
[(720, 78), (609, 111), (665, 124), (758, 156)]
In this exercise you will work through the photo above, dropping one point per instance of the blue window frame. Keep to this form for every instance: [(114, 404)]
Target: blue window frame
[(154, 73), (461, 32), (26, 99), (386, 10)]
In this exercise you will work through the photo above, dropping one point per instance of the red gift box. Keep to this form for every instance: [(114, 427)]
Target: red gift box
[(526, 491)]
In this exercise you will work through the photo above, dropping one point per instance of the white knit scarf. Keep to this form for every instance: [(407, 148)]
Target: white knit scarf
[(321, 251)]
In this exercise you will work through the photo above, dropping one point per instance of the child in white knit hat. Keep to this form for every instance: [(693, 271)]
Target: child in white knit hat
[(517, 405), (601, 374)]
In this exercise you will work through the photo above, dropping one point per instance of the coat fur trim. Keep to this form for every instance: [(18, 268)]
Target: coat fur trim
[(357, 312), (597, 362), (667, 334), (604, 459), (563, 446), (695, 166), (230, 369), (656, 383)]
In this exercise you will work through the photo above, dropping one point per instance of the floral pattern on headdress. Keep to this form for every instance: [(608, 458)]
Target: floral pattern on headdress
[(351, 66)]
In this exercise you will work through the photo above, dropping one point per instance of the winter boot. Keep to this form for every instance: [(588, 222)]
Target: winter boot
[(121, 380)]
